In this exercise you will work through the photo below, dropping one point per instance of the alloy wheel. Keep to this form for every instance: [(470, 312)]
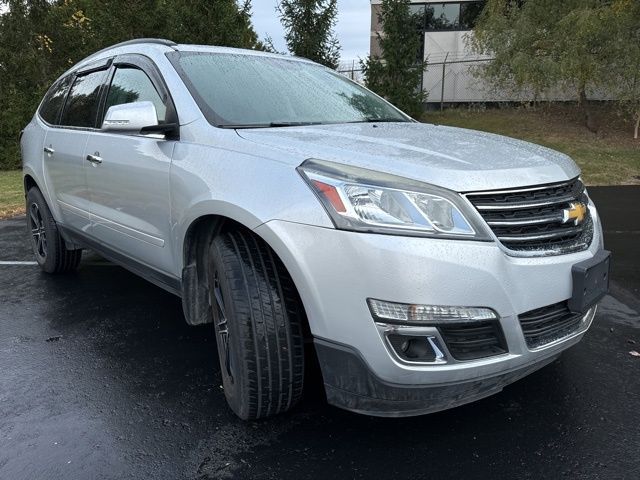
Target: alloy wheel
[(38, 231)]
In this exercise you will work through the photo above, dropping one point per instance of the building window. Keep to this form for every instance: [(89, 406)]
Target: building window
[(469, 13), (443, 16), (434, 17), (418, 14)]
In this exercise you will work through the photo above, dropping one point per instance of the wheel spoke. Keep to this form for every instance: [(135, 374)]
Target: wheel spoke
[(34, 219), (44, 245), (227, 357), (219, 302), (223, 328)]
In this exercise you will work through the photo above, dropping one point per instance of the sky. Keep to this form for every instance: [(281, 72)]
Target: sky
[(353, 28)]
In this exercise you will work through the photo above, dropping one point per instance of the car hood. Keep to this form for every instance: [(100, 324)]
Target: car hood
[(455, 158)]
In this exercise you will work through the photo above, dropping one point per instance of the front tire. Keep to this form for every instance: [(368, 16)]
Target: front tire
[(258, 320), (48, 246)]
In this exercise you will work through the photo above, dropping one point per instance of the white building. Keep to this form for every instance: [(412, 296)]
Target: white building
[(444, 28)]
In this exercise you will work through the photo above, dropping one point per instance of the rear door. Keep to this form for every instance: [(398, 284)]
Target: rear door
[(129, 188), (64, 145)]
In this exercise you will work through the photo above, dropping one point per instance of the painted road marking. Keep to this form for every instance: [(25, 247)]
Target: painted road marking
[(89, 264)]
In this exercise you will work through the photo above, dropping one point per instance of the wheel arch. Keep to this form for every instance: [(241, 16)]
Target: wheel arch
[(29, 182), (195, 250)]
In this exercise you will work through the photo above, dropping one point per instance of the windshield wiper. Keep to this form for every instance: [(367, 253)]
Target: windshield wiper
[(269, 125), (302, 124), (381, 120), (293, 124)]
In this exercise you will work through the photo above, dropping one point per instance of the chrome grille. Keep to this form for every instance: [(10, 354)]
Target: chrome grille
[(532, 219)]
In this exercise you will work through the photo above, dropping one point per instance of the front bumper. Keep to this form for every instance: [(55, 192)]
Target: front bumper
[(336, 271)]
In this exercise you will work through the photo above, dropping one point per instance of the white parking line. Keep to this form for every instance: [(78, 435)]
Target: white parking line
[(90, 264), (18, 263)]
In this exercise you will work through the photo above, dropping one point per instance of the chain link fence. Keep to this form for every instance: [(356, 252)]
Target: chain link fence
[(444, 81), (454, 79), (351, 69)]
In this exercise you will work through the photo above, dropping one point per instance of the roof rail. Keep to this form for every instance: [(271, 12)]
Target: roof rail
[(156, 41)]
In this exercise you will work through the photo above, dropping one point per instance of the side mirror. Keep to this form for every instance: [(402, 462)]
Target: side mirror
[(130, 117)]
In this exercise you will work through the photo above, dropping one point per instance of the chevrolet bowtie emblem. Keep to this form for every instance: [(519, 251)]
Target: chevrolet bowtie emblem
[(576, 212)]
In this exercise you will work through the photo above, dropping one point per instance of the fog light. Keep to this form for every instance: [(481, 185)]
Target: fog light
[(415, 349), (432, 314)]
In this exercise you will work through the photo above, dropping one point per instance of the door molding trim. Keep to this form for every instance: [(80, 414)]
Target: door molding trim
[(123, 229), (167, 282)]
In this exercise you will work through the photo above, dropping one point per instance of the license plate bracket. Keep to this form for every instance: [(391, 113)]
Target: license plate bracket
[(590, 281)]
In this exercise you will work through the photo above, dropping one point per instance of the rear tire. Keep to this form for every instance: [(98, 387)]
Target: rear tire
[(258, 320), (48, 246)]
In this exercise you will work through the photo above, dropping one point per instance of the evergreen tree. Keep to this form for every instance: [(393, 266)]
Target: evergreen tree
[(397, 73), (308, 26), (222, 22), (40, 39)]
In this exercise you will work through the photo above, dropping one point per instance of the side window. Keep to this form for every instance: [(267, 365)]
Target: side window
[(53, 100), (82, 105), (133, 85)]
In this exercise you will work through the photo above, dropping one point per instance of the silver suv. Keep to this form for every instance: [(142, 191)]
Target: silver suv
[(424, 266)]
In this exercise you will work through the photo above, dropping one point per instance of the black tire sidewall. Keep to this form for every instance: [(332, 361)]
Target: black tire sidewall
[(235, 391)]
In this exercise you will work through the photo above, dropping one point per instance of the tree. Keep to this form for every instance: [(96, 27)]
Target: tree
[(621, 73), (24, 71), (40, 39), (308, 26), (573, 45), (397, 73), (221, 22)]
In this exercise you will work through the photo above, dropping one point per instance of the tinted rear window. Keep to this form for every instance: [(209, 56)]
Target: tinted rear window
[(82, 105), (53, 101)]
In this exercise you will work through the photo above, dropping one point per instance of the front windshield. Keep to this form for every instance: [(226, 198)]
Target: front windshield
[(245, 91)]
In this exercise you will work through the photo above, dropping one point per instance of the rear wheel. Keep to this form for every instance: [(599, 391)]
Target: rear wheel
[(48, 246), (258, 319)]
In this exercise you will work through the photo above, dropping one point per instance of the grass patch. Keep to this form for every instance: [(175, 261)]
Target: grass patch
[(610, 157), (11, 193)]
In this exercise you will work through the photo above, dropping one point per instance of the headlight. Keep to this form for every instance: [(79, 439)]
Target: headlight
[(364, 200)]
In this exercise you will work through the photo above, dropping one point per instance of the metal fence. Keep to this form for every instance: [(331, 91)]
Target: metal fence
[(352, 70), (454, 79), (444, 81)]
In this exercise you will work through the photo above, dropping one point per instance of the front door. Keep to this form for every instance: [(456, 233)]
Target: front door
[(128, 177)]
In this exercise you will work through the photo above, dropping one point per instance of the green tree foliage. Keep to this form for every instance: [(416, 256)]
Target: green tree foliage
[(308, 26), (211, 23), (40, 39), (621, 73), (397, 74), (578, 46)]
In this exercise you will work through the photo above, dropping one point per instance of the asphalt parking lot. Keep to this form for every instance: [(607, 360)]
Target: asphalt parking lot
[(100, 378)]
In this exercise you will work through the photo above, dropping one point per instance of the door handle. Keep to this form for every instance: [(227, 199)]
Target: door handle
[(49, 150), (95, 159)]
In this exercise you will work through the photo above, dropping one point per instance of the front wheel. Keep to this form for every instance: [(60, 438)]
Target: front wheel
[(48, 246), (258, 319)]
